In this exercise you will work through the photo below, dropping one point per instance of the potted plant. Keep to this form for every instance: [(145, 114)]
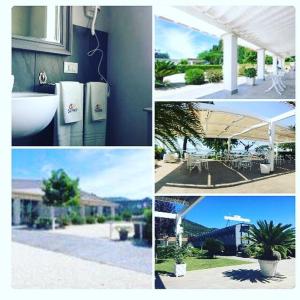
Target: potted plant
[(271, 242), (250, 73), (180, 253), (123, 232)]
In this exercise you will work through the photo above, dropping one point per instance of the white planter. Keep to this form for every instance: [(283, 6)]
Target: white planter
[(265, 168), (268, 267), (179, 270), (251, 81)]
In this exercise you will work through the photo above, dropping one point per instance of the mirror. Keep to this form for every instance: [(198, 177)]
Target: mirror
[(42, 28)]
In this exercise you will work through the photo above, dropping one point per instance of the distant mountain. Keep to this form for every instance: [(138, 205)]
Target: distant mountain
[(136, 206), (194, 229)]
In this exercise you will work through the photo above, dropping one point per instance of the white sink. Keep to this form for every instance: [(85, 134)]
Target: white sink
[(32, 112)]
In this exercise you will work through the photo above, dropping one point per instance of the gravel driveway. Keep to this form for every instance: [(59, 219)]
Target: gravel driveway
[(120, 254)]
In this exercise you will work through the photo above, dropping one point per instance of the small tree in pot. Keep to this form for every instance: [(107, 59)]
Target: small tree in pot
[(180, 253), (250, 73), (271, 243)]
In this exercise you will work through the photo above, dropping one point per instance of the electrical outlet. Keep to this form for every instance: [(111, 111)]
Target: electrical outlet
[(70, 67)]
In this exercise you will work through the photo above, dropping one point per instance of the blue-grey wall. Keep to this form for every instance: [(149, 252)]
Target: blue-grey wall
[(130, 74), (26, 66)]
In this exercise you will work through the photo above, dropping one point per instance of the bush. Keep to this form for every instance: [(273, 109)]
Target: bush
[(126, 215), (246, 252), (43, 223), (213, 247), (184, 62), (243, 67), (194, 76), (250, 72), (163, 68), (77, 220), (214, 75), (165, 252), (159, 152), (117, 218), (64, 221), (197, 252), (91, 220), (101, 219), (183, 68)]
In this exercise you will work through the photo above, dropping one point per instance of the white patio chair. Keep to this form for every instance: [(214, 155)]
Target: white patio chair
[(275, 85)]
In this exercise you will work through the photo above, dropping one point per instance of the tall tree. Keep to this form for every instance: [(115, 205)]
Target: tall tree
[(60, 190), (174, 120)]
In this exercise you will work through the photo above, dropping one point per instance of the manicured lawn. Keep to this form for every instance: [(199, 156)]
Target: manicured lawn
[(193, 263)]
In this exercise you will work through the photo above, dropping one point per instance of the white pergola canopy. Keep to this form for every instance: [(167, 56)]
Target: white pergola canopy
[(220, 123), (267, 27)]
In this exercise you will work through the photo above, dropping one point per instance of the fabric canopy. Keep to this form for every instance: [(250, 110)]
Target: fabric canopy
[(268, 27), (218, 123)]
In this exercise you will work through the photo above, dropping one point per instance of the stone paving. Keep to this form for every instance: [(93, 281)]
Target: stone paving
[(237, 277), (123, 254), (36, 268)]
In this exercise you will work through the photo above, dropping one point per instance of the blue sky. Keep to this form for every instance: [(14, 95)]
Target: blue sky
[(211, 211), (105, 172), (180, 41)]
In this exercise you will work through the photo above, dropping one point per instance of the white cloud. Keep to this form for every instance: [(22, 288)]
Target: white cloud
[(180, 44), (46, 170), (128, 175)]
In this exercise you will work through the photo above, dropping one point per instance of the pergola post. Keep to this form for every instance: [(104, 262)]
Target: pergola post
[(228, 148), (275, 59), (178, 229), (261, 64), (230, 62), (271, 144)]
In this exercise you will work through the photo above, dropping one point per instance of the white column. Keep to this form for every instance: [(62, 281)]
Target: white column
[(99, 210), (275, 70), (261, 64), (178, 230), (16, 213), (113, 211), (230, 62), (82, 211), (271, 144)]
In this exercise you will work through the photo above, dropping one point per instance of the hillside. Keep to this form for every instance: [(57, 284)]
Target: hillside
[(193, 229)]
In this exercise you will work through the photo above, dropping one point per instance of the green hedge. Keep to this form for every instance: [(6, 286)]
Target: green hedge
[(101, 219), (194, 76), (184, 68), (91, 220), (43, 223), (77, 220)]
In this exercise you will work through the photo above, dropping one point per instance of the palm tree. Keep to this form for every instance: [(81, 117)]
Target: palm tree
[(268, 239), (174, 120), (164, 68)]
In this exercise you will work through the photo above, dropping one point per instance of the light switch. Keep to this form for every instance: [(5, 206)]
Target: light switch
[(70, 67)]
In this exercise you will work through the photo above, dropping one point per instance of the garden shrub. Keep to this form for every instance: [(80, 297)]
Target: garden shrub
[(214, 75), (213, 247), (117, 218), (163, 68), (197, 252), (77, 220), (64, 221), (126, 215), (101, 219), (165, 252), (184, 62), (243, 67), (183, 68), (43, 223), (194, 76), (91, 220)]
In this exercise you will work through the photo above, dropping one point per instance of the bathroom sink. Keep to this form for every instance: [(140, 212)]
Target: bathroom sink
[(32, 112)]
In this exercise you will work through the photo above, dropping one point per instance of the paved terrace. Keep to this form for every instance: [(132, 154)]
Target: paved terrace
[(125, 254), (237, 277), (176, 178), (178, 90)]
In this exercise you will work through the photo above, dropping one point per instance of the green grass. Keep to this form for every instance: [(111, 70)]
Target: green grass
[(167, 266)]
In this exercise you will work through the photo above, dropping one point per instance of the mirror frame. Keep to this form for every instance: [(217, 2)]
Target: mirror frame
[(35, 44)]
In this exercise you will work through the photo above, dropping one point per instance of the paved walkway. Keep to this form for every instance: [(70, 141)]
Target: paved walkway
[(178, 90), (173, 178), (238, 277), (116, 253), (37, 268)]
